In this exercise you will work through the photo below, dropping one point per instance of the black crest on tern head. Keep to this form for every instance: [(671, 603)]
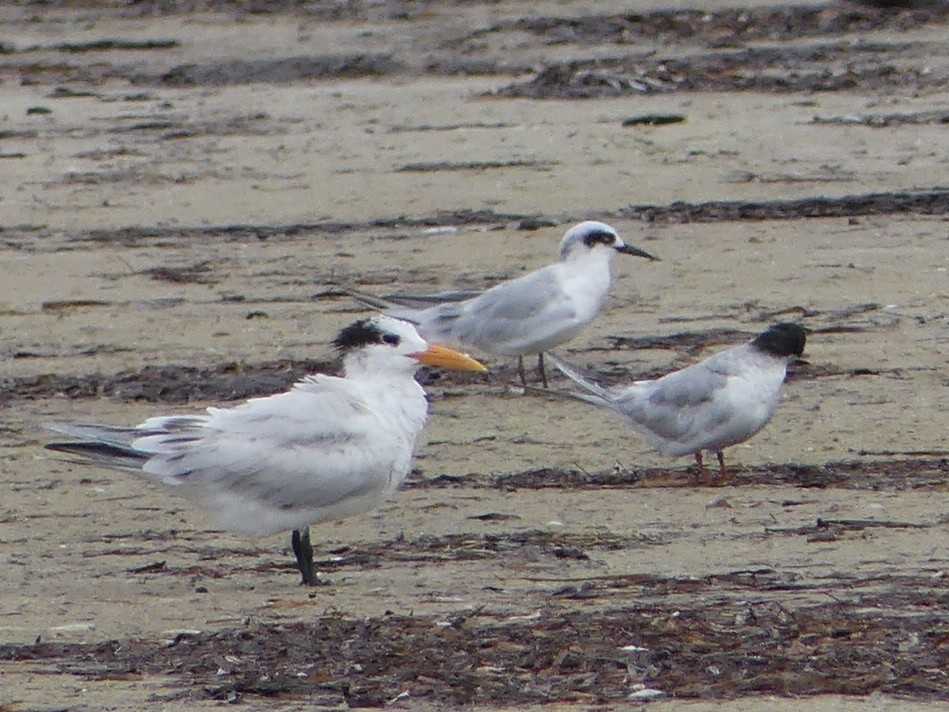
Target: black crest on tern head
[(363, 333), (782, 340)]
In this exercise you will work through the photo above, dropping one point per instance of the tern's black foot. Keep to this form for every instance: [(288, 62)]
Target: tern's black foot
[(303, 551), (541, 370)]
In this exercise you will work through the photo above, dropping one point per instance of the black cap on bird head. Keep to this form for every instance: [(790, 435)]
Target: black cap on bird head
[(782, 340), (363, 333)]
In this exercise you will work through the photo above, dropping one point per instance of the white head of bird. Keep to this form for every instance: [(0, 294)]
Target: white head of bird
[(593, 237), (384, 343)]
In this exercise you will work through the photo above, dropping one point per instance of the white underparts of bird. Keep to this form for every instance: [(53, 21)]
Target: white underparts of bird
[(328, 448), (527, 315), (719, 402)]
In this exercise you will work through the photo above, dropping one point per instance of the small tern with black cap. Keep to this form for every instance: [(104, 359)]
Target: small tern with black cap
[(719, 402)]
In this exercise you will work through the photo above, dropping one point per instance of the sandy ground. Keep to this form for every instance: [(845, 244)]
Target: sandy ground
[(180, 195)]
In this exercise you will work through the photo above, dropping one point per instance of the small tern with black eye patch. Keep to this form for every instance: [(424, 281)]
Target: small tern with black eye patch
[(328, 448), (529, 314), (719, 402)]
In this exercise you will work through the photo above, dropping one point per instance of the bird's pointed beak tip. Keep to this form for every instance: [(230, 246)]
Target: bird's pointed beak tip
[(637, 252)]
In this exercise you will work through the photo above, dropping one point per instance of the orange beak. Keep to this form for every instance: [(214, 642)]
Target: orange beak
[(448, 358)]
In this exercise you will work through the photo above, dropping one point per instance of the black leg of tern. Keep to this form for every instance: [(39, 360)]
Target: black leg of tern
[(541, 370), (303, 550)]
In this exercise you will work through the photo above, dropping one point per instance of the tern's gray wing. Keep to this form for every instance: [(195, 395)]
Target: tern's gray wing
[(681, 412), (408, 304), (525, 315), (422, 301)]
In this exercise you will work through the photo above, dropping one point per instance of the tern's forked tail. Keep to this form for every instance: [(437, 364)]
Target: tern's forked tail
[(99, 445)]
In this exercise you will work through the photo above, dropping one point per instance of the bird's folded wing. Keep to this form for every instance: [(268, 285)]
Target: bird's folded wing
[(312, 447), (411, 302), (529, 296), (422, 301), (679, 407), (517, 314)]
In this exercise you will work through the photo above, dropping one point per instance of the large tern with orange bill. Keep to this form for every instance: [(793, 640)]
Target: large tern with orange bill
[(328, 448)]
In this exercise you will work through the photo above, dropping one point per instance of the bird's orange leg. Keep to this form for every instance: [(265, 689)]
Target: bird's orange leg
[(702, 475)]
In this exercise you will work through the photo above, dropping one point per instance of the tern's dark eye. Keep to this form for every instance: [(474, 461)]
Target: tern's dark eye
[(391, 339)]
